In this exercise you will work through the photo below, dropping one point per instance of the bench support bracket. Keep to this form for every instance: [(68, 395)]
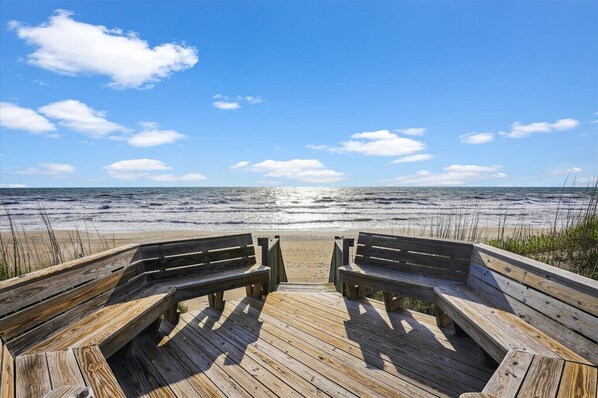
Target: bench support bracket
[(216, 300), (393, 302), (442, 318), (254, 291), (172, 315)]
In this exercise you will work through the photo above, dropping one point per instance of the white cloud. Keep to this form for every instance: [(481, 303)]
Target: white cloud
[(413, 158), (151, 138), (240, 165), (318, 147), (476, 138), (79, 117), (253, 100), (226, 106), (13, 186), (66, 46), (453, 175), (304, 170), (379, 143), (15, 117), (134, 169), (520, 130), (570, 170), (50, 169), (417, 131)]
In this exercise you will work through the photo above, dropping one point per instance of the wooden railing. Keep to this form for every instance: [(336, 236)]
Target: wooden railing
[(340, 257), (272, 257)]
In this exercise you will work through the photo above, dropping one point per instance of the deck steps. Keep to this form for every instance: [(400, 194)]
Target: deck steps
[(293, 287)]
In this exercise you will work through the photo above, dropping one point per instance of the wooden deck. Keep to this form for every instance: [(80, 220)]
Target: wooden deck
[(301, 343)]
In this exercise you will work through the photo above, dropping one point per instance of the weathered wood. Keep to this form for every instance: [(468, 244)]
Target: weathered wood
[(351, 289), (337, 261), (172, 315), (183, 260), (216, 300), (442, 318), (445, 247), (578, 381), (367, 254), (201, 270), (392, 302), (7, 374), (573, 289), (193, 245), (347, 244), (69, 392), (32, 376), (97, 373), (50, 284), (509, 376), (64, 370), (542, 378), (254, 290)]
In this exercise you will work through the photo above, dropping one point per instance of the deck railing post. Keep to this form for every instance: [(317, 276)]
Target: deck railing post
[(347, 243)]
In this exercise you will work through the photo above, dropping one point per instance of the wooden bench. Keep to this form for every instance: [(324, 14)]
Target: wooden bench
[(540, 323), (404, 266), (90, 308)]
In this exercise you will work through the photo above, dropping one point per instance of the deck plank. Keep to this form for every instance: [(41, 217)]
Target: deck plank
[(385, 350), (32, 375), (64, 370)]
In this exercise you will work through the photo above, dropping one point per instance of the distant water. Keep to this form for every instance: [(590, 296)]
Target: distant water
[(143, 209)]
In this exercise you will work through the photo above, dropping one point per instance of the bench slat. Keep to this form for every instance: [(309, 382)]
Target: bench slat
[(579, 344), (32, 376), (392, 266), (7, 374), (578, 381), (415, 258), (507, 379), (422, 245), (202, 269), (573, 289), (52, 284), (64, 370), (542, 379), (182, 260), (194, 245), (96, 373)]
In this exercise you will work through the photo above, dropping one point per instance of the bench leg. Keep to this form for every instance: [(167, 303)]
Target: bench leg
[(442, 318), (254, 291), (459, 331), (216, 300), (351, 290), (172, 315), (393, 302), (487, 359)]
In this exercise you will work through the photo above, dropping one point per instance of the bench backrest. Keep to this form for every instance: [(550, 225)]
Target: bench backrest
[(431, 257), (562, 304), (178, 259), (36, 304)]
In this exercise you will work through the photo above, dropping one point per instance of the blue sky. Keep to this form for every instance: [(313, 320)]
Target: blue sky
[(298, 93)]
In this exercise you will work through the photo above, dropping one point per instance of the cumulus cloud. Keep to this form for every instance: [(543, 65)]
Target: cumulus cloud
[(569, 170), (15, 117), (413, 158), (304, 170), (49, 169), (154, 137), (226, 106), (81, 118), (453, 175), (379, 143), (417, 131), (69, 47), (520, 130), (476, 138), (318, 147), (134, 169)]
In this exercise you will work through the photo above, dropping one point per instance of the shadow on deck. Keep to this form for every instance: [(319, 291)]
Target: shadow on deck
[(301, 344)]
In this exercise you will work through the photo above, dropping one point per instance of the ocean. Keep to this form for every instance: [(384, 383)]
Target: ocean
[(144, 209)]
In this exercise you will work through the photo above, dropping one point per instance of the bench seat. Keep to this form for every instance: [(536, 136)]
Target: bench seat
[(496, 330), (112, 326), (393, 280)]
